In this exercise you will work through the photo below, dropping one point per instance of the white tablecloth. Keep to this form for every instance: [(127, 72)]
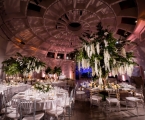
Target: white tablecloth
[(43, 101), (15, 88)]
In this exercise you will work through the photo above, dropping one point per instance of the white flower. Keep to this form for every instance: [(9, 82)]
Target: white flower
[(92, 49), (106, 33), (100, 81), (96, 66), (106, 43), (98, 48), (93, 71), (123, 52), (45, 88)]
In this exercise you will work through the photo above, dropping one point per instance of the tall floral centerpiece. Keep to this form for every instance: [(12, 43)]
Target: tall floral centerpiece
[(20, 64), (104, 54)]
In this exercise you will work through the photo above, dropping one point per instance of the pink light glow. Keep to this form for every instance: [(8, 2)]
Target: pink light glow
[(123, 77), (70, 75), (43, 74), (110, 74)]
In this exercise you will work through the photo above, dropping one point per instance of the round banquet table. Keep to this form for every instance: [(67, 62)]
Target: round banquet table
[(15, 88), (43, 100)]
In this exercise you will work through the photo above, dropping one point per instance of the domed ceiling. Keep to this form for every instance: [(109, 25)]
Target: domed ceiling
[(42, 26)]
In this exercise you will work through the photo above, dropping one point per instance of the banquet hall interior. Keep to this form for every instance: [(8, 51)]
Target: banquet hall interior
[(72, 59)]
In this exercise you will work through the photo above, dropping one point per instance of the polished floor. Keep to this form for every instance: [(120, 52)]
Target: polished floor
[(83, 111)]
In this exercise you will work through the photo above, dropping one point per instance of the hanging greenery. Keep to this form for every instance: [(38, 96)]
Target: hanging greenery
[(105, 54), (22, 64)]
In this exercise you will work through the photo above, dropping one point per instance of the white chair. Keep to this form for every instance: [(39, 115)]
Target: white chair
[(69, 103), (137, 98), (113, 99), (95, 98), (56, 111), (79, 92), (139, 93), (28, 110), (12, 111), (7, 101), (8, 93)]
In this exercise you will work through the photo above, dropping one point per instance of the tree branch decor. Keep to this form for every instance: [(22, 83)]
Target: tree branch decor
[(105, 54)]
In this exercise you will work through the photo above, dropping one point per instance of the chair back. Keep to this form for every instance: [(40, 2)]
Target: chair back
[(7, 95), (28, 107), (72, 96), (66, 87), (123, 95), (1, 100), (96, 92), (113, 93), (76, 86)]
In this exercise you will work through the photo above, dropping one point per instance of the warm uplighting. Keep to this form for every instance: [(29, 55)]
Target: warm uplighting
[(123, 77), (110, 74), (70, 75), (43, 74)]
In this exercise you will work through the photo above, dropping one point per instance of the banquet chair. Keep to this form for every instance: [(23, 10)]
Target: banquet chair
[(113, 99), (136, 99), (139, 93), (1, 103), (12, 111), (7, 97), (78, 91), (8, 93), (95, 98), (69, 104), (28, 110), (57, 110)]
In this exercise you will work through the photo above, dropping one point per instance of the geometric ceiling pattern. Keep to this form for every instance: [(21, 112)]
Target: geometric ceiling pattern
[(42, 26)]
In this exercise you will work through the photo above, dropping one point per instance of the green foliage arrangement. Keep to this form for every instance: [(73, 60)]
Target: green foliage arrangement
[(104, 54), (22, 64)]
